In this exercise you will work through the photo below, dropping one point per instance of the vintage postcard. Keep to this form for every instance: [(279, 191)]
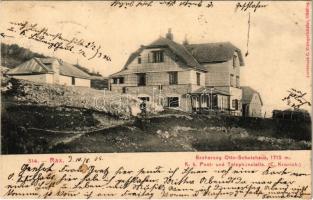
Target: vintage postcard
[(156, 99)]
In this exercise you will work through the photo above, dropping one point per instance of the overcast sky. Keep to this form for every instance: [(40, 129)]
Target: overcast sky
[(276, 60)]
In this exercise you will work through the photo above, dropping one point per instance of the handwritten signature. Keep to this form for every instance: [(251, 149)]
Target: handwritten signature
[(246, 6)]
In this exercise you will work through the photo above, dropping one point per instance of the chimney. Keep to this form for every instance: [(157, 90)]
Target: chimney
[(169, 34), (185, 42)]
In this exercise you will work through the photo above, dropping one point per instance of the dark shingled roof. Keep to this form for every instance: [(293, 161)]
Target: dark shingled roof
[(179, 50), (43, 66), (214, 52), (193, 55), (247, 94)]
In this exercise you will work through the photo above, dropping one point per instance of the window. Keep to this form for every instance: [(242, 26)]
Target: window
[(235, 104), (144, 98), (173, 78), (119, 80), (139, 59), (149, 58), (198, 78), (157, 56), (114, 81), (237, 81), (73, 80), (231, 80), (226, 102), (173, 102), (215, 102), (141, 78), (235, 64), (124, 90), (160, 87)]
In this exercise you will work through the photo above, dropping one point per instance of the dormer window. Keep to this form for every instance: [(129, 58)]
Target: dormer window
[(139, 59), (157, 56)]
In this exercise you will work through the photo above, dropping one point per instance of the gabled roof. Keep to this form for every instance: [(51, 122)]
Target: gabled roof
[(33, 66), (214, 52), (247, 94), (179, 50), (67, 69), (43, 66), (193, 55)]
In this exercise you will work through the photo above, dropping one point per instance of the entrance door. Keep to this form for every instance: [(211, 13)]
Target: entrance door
[(245, 110)]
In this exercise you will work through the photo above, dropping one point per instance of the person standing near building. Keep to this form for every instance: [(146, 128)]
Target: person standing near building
[(143, 108)]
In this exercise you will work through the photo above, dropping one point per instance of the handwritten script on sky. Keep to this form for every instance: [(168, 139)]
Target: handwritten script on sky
[(57, 41)]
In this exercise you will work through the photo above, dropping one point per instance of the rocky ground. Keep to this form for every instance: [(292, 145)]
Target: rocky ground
[(31, 93), (42, 118), (155, 137)]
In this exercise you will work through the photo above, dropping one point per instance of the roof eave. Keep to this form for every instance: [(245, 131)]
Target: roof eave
[(201, 69), (29, 73), (82, 77)]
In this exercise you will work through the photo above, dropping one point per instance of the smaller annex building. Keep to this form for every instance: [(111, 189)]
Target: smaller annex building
[(50, 70), (251, 102)]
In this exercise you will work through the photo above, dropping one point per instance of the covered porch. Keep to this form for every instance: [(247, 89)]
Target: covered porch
[(209, 99)]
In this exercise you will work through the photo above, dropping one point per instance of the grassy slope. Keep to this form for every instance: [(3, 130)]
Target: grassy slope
[(178, 133), (40, 118), (26, 92), (157, 134)]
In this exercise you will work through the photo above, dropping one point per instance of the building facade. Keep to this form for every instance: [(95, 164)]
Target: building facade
[(50, 70), (251, 102), (191, 77)]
